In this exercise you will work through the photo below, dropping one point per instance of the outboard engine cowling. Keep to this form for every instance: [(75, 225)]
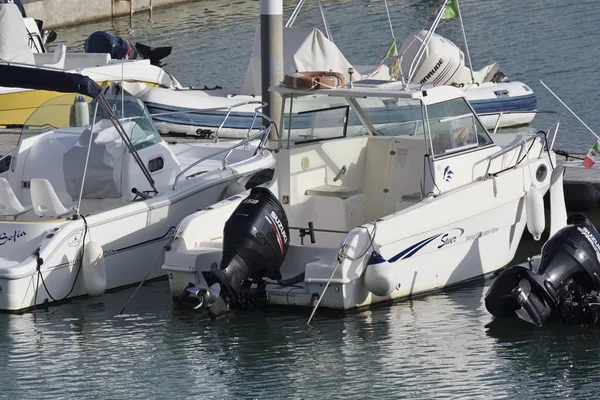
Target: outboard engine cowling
[(104, 42), (255, 241), (440, 63), (564, 280)]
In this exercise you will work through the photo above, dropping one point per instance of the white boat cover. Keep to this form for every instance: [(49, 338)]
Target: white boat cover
[(14, 36), (304, 49), (103, 178)]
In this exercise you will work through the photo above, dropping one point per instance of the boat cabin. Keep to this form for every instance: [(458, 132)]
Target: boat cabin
[(351, 155)]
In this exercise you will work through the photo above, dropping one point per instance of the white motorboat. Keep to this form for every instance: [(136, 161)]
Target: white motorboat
[(93, 192), (380, 192)]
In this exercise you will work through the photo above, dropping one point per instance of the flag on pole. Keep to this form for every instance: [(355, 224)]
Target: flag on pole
[(392, 51), (593, 156), (451, 10)]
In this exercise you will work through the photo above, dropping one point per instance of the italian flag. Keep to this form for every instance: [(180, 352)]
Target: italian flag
[(593, 156)]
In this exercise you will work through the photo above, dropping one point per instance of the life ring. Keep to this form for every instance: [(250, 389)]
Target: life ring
[(314, 80)]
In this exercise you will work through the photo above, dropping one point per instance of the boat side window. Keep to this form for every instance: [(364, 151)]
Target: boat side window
[(319, 117), (455, 128)]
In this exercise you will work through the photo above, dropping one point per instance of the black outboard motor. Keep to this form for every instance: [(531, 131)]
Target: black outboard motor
[(104, 42), (255, 241), (564, 281)]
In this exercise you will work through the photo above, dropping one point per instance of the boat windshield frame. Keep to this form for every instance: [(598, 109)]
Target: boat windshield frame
[(418, 107)]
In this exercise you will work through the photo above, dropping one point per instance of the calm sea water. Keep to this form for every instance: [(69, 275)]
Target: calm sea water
[(441, 346)]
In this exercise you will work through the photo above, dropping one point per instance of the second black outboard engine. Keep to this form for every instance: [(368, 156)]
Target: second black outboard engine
[(255, 241), (104, 42), (563, 281)]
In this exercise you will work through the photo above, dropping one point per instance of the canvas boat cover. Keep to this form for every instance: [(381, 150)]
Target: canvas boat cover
[(14, 36), (304, 49), (103, 177), (45, 79)]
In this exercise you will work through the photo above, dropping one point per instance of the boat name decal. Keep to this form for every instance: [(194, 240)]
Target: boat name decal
[(433, 71), (482, 233), (450, 237), (590, 238), (11, 237)]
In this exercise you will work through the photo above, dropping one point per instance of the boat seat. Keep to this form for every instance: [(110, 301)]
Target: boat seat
[(45, 200), (341, 192), (9, 204)]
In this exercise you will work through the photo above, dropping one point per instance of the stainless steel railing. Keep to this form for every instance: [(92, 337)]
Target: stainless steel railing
[(228, 109), (262, 135), (521, 145)]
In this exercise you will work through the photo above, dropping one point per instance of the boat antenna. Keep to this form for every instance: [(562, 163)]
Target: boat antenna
[(571, 111), (462, 28), (387, 11)]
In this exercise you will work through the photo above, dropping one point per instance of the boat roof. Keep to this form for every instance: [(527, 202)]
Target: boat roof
[(17, 76), (429, 94)]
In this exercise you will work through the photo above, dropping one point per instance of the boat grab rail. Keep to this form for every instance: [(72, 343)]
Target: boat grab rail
[(228, 108), (6, 155), (263, 135), (502, 113), (542, 135)]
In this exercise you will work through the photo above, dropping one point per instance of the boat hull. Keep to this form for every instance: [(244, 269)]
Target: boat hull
[(131, 253), (415, 254)]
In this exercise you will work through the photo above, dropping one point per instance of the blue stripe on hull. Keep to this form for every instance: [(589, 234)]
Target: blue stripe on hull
[(502, 104)]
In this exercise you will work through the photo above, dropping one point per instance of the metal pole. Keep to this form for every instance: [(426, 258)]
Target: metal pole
[(271, 44), (462, 28)]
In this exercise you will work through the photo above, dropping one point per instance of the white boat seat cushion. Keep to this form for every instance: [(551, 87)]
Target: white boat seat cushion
[(45, 200), (9, 204), (342, 192)]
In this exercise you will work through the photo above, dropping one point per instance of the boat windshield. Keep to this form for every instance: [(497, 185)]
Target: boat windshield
[(72, 113), (319, 117), (322, 117), (69, 132), (392, 116), (454, 128)]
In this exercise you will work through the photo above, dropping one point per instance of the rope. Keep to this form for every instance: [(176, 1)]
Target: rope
[(340, 257), (40, 275), (147, 274)]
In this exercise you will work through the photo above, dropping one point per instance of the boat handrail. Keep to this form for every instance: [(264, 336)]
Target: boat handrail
[(228, 108), (521, 144), (502, 113), (263, 135), (6, 155)]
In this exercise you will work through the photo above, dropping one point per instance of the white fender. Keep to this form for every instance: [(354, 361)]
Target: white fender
[(93, 269), (534, 207), (558, 210), (380, 278), (82, 112)]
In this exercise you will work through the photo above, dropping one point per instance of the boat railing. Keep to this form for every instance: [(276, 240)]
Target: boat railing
[(228, 109), (262, 136), (503, 113), (6, 155), (523, 149)]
